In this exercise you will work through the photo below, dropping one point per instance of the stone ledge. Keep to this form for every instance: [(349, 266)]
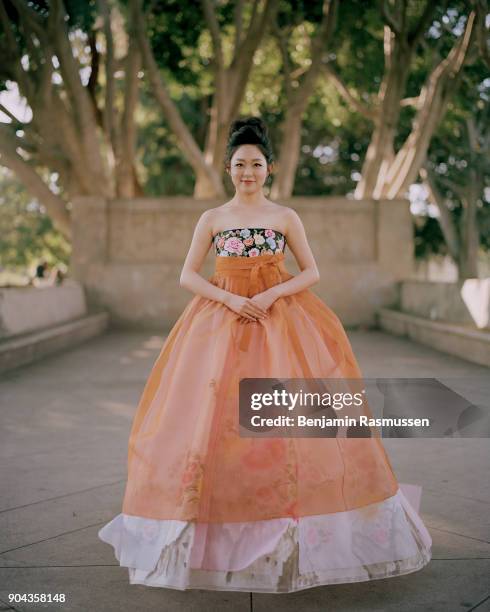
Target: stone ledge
[(459, 340), (29, 309), (25, 348), (465, 302), (128, 253)]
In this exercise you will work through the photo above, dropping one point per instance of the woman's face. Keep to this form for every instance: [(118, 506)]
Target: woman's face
[(248, 169)]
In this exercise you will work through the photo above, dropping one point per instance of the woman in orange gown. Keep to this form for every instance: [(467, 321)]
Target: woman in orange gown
[(208, 508)]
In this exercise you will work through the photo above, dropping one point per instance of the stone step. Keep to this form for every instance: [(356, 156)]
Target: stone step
[(463, 341), (25, 348)]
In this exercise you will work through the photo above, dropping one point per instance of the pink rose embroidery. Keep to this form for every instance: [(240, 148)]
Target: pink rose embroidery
[(234, 245)]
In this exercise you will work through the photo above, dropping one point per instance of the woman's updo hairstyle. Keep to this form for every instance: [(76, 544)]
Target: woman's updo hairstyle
[(251, 130)]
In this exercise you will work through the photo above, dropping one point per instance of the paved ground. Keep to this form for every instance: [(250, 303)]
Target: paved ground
[(65, 423)]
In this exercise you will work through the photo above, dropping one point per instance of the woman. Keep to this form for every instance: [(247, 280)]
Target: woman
[(206, 507)]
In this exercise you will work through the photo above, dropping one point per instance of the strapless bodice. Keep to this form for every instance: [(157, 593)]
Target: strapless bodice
[(248, 242)]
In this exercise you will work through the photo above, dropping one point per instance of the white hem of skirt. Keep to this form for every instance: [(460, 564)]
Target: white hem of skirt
[(284, 555)]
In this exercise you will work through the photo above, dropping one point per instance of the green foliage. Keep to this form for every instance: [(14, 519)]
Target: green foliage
[(174, 29), (428, 238), (27, 232), (450, 155), (334, 136)]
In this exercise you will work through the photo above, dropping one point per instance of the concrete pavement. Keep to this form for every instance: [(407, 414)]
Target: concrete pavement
[(64, 428)]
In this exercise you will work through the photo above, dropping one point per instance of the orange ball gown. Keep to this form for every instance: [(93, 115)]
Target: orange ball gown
[(206, 508)]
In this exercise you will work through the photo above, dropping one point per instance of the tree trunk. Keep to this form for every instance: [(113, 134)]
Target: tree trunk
[(287, 162), (470, 239), (380, 151), (55, 206), (448, 227), (433, 101), (230, 85)]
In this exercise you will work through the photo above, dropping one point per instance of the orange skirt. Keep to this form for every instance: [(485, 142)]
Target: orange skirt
[(186, 459)]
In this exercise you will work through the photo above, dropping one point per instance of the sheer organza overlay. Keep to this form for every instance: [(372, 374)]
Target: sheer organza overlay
[(192, 478)]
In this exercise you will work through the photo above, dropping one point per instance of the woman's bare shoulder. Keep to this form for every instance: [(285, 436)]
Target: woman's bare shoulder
[(286, 214), (281, 208), (212, 217), (213, 213), (277, 215)]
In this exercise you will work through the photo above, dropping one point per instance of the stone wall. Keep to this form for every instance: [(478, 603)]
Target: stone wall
[(129, 254), (465, 302), (25, 309)]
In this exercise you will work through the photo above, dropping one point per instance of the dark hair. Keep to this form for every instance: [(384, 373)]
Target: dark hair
[(251, 130)]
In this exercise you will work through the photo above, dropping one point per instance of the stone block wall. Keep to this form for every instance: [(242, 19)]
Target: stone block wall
[(129, 254)]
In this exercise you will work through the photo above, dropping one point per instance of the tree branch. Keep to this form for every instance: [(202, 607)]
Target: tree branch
[(416, 33), (482, 33), (213, 26), (110, 111), (370, 114), (81, 100), (324, 32), (14, 119), (414, 101), (238, 20), (239, 69), (446, 220), (171, 112), (22, 77), (127, 128), (94, 75), (33, 183), (389, 18)]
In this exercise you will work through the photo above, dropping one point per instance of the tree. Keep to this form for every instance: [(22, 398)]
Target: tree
[(84, 137), (387, 172), (229, 83), (299, 84), (27, 232), (460, 184)]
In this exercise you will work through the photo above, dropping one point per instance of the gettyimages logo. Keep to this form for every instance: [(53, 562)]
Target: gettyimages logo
[(364, 408)]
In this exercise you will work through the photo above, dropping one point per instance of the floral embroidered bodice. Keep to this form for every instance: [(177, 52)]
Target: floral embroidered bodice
[(249, 242)]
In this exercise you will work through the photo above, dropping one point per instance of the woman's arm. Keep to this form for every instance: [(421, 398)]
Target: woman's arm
[(190, 277), (192, 280), (298, 243)]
